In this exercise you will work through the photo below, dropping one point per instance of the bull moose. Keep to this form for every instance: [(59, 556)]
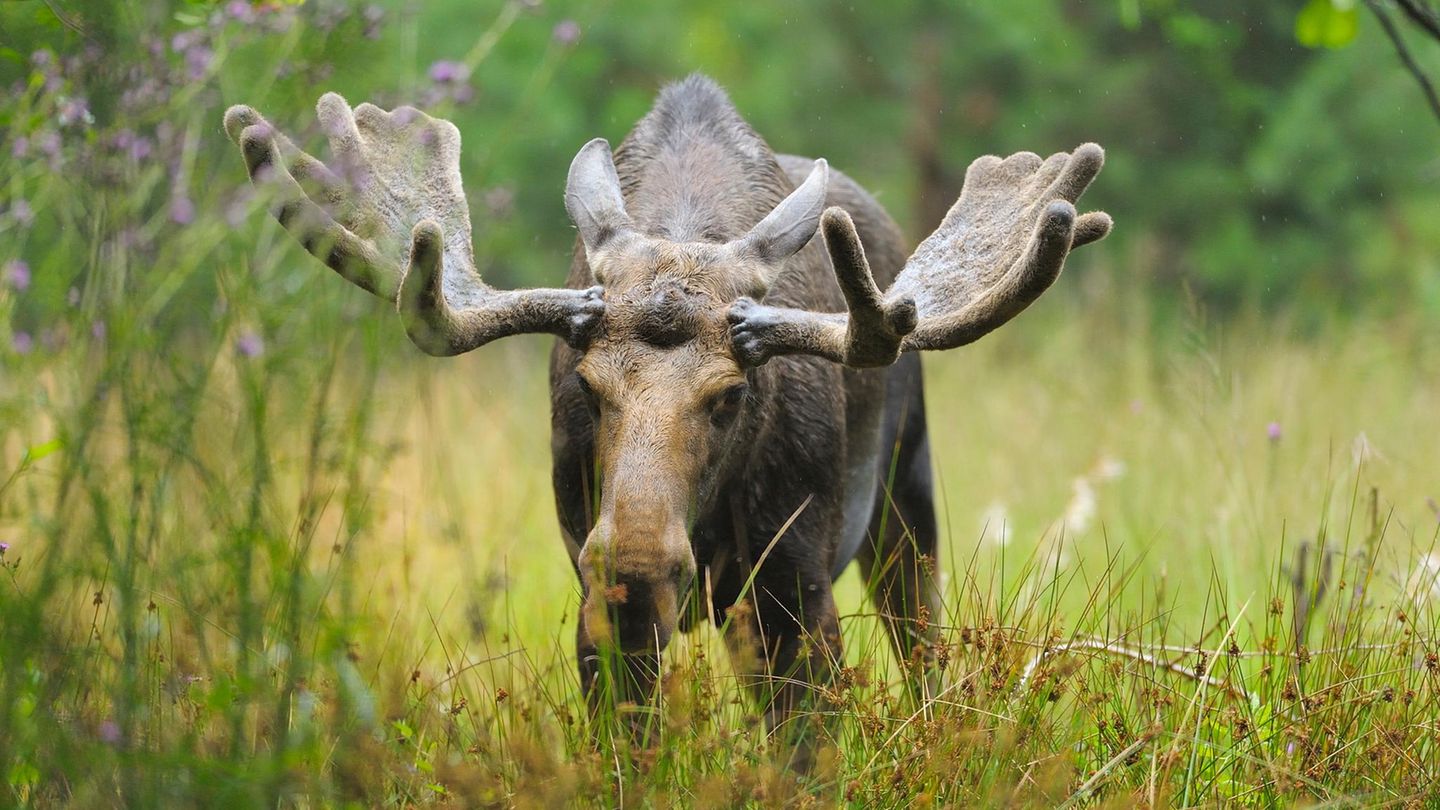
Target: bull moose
[(736, 406)]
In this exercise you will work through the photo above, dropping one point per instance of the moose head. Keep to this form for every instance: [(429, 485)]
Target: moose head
[(677, 303)]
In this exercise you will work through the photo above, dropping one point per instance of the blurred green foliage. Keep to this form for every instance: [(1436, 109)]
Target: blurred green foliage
[(1244, 166)]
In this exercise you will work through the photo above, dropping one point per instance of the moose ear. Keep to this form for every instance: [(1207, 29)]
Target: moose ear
[(788, 228), (592, 196)]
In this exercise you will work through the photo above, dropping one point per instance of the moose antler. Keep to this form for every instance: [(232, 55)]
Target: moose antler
[(1001, 245), (390, 216)]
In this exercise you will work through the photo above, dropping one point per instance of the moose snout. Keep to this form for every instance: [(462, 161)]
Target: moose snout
[(633, 591)]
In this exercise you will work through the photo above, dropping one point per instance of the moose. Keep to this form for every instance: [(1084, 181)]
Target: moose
[(737, 407)]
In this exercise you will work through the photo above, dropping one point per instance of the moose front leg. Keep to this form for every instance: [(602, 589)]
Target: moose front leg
[(784, 641)]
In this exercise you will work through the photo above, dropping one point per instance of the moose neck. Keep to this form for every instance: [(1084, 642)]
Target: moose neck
[(692, 170)]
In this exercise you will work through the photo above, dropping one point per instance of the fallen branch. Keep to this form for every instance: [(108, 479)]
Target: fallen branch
[(1133, 654)]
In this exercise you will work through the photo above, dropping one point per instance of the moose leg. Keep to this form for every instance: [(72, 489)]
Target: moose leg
[(899, 561), (784, 640)]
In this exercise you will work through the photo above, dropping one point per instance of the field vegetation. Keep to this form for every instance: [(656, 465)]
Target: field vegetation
[(256, 550)]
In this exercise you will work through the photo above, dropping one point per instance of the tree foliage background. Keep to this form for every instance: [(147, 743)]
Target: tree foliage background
[(1246, 170)]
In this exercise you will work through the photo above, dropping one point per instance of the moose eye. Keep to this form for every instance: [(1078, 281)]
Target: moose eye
[(591, 400), (727, 405)]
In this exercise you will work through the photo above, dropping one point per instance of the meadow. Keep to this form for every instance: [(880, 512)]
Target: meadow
[(256, 550)]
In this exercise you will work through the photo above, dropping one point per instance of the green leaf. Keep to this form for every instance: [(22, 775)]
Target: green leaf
[(41, 450), (1327, 23)]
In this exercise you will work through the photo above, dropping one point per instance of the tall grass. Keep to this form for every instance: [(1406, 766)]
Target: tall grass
[(259, 552)]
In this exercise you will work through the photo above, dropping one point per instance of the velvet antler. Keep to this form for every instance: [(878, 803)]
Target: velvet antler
[(390, 216), (1001, 245)]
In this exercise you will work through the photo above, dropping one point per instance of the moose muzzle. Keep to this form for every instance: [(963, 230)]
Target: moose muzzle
[(635, 583)]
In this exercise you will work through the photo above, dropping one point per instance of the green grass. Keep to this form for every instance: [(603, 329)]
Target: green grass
[(312, 577), (262, 553)]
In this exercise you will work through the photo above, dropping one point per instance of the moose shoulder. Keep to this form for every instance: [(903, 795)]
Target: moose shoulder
[(729, 392)]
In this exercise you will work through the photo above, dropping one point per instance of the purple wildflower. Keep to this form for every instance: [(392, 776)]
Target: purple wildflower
[(109, 732), (21, 212), (1272, 431), (136, 147), (19, 147), (197, 62), (447, 71), (240, 11), (17, 274), (249, 345), (566, 32), (4, 547), (22, 342), (182, 210), (98, 330), (185, 40), (50, 144), (139, 149), (373, 15), (73, 111)]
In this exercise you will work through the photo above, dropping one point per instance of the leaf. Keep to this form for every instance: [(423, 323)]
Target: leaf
[(41, 450), (1327, 23)]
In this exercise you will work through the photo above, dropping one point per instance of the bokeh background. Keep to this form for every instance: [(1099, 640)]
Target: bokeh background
[(253, 541)]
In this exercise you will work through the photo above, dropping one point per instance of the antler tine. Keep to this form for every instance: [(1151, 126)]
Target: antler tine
[(314, 227), (1008, 297)]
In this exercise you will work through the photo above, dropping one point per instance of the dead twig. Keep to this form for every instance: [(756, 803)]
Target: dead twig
[(1425, 22), (1099, 776), (1113, 648)]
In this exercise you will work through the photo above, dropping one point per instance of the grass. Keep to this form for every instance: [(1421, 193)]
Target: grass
[(260, 552), (321, 578)]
